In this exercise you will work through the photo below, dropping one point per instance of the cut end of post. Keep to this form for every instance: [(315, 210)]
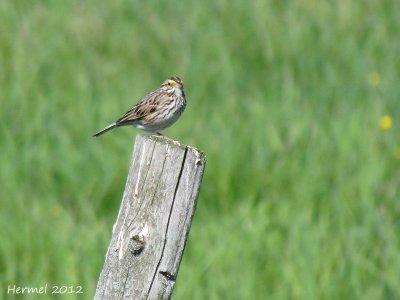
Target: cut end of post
[(166, 140)]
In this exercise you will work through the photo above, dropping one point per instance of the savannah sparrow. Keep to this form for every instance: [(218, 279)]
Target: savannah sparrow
[(157, 110)]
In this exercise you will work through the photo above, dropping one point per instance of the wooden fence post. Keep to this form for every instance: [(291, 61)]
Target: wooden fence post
[(153, 222)]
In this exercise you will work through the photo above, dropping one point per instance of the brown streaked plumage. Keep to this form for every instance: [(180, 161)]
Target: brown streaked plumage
[(155, 111)]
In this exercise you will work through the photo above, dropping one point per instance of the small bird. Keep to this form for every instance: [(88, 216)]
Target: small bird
[(155, 111)]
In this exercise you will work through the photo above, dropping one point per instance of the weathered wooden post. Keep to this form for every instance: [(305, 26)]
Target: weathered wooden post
[(153, 222)]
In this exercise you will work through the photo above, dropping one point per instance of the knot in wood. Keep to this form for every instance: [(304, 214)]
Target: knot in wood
[(136, 245)]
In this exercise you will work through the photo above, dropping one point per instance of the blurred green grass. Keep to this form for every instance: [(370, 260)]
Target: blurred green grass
[(300, 197)]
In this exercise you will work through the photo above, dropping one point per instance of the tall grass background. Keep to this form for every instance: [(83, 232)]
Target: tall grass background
[(300, 198)]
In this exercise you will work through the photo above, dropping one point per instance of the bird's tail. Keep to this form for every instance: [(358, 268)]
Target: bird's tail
[(105, 129)]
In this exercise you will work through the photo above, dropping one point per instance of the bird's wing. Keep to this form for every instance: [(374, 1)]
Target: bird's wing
[(143, 108)]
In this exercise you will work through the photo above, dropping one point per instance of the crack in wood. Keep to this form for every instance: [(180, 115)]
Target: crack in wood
[(169, 219)]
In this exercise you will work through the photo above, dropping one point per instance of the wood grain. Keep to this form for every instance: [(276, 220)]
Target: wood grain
[(154, 219)]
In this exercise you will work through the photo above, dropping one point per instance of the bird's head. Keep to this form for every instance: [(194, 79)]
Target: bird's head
[(173, 82)]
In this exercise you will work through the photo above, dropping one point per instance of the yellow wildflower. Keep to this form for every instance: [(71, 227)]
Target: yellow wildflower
[(385, 122), (374, 78)]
